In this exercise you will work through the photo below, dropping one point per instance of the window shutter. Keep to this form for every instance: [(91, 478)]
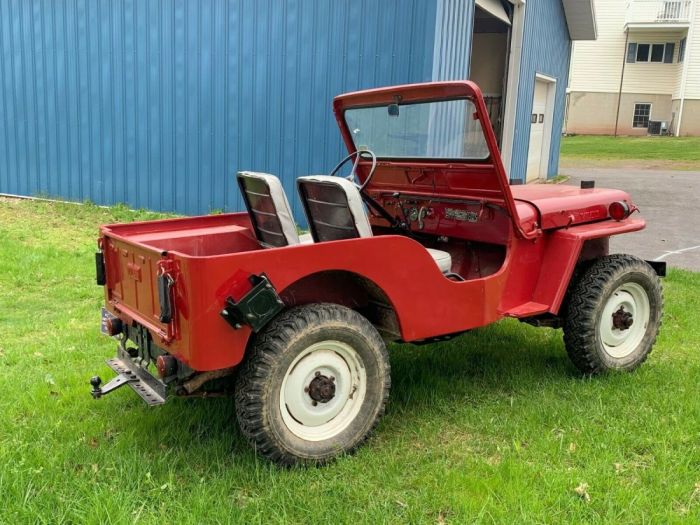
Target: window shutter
[(668, 53), (631, 53), (681, 51)]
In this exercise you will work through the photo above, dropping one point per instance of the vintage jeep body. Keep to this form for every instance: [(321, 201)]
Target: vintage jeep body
[(423, 240)]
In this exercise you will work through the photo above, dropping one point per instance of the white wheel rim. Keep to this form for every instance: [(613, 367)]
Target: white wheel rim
[(324, 418), (619, 340)]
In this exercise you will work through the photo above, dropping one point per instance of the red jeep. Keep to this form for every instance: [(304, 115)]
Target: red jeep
[(423, 240)]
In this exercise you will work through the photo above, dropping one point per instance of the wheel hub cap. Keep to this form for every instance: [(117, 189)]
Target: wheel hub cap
[(322, 388), (622, 320)]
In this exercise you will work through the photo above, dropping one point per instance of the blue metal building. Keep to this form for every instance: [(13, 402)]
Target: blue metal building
[(157, 103)]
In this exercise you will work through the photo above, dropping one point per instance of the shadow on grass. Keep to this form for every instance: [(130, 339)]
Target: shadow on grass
[(474, 369)]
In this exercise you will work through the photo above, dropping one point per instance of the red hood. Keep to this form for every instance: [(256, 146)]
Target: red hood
[(561, 205)]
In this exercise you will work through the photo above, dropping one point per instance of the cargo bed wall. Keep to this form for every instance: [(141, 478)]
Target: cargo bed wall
[(132, 272)]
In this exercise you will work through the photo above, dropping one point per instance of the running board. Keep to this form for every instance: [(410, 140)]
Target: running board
[(528, 309)]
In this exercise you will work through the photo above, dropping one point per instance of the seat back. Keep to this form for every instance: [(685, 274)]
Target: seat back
[(333, 208), (268, 208)]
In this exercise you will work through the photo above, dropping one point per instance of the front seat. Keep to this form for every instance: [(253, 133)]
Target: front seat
[(335, 211), (269, 210)]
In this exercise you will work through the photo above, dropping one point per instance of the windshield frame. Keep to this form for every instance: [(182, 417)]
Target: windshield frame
[(428, 91), (426, 159)]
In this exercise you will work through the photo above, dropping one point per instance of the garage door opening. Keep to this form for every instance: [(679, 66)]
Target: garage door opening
[(489, 60)]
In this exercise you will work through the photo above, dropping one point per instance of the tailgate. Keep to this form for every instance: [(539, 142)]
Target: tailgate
[(131, 288)]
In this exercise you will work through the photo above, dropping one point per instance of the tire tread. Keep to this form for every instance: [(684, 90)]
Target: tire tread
[(580, 308), (251, 391)]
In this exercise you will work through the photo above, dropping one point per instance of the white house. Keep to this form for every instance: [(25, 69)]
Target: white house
[(642, 75)]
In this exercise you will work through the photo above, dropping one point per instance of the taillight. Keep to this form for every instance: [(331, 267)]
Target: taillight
[(114, 326), (619, 210), (166, 366)]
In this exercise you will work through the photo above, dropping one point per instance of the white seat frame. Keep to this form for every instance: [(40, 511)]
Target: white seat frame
[(282, 208), (364, 228)]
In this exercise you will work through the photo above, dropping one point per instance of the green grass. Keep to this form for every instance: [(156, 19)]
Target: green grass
[(494, 427), (682, 150)]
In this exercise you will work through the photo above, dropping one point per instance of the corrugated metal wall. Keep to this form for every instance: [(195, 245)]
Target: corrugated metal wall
[(546, 50), (454, 22), (156, 103)]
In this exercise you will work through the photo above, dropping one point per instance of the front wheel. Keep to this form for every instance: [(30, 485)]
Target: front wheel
[(314, 385), (613, 314)]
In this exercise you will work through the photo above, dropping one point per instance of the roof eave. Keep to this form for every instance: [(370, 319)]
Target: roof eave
[(580, 17)]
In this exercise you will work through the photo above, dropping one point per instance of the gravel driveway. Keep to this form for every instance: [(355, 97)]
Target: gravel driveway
[(670, 203)]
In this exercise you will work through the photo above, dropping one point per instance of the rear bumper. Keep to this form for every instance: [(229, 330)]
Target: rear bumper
[(151, 389)]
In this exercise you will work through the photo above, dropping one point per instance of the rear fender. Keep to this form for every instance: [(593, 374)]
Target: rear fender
[(566, 248), (348, 289)]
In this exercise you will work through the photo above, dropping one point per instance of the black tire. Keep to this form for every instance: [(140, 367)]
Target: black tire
[(585, 305), (259, 384)]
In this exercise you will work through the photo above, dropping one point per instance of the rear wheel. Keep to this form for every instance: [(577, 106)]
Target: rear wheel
[(314, 385), (613, 314)]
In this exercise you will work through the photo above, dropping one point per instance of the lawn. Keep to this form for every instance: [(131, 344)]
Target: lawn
[(683, 151), (495, 426)]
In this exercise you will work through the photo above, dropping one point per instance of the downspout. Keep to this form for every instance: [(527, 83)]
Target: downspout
[(686, 64), (622, 79)]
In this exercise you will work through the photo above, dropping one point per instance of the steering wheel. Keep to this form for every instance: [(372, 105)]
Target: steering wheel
[(357, 155)]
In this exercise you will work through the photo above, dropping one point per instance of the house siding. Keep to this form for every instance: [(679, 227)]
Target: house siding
[(693, 55), (597, 68), (652, 77), (597, 64), (546, 50), (157, 104)]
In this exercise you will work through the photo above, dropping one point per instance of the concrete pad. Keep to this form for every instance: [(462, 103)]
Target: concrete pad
[(670, 203)]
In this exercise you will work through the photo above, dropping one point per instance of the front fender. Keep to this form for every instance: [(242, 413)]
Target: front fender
[(565, 248)]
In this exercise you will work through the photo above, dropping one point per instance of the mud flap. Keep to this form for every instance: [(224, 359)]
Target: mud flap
[(659, 267)]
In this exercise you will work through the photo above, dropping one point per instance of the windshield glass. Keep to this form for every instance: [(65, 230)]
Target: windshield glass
[(444, 129)]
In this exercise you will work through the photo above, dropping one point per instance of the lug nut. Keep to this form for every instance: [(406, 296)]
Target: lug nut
[(314, 403)]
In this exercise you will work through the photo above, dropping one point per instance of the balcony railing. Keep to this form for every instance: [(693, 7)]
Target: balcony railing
[(658, 12)]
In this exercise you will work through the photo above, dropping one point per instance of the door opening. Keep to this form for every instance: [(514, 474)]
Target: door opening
[(489, 58), (541, 119)]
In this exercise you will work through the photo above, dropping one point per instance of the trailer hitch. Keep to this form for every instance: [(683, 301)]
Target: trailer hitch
[(152, 390), (118, 382)]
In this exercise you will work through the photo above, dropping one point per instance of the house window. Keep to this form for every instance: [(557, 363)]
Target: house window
[(642, 112), (643, 52), (657, 53), (637, 52), (681, 50)]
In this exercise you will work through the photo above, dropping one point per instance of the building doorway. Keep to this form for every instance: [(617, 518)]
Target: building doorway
[(541, 120), (489, 57)]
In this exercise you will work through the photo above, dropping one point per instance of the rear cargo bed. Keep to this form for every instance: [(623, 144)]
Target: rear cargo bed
[(136, 254)]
